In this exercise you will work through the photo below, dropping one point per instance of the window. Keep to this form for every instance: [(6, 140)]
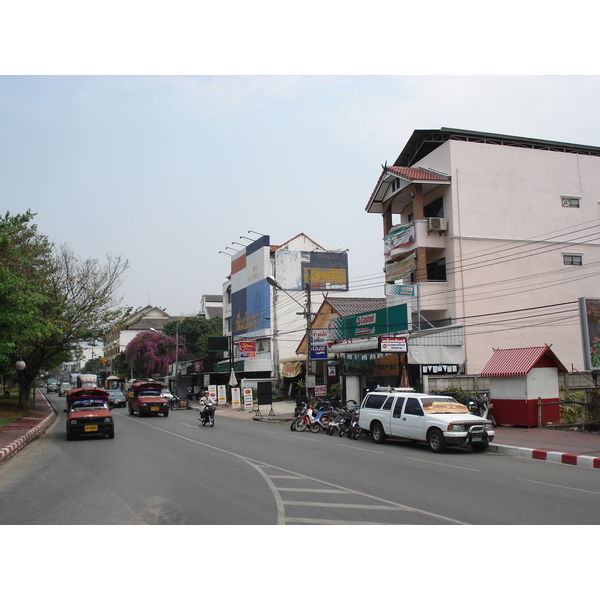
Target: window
[(573, 259), (413, 407), (388, 403), (375, 401), (398, 408), (434, 209), (570, 201)]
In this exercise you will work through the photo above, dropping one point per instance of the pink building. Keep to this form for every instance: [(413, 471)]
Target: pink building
[(490, 240)]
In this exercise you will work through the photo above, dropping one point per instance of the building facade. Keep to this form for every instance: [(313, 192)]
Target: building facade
[(267, 296), (494, 236)]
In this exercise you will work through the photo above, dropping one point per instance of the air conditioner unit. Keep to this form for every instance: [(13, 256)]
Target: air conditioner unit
[(437, 224)]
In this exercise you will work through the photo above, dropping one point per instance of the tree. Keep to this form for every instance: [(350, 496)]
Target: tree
[(196, 331), (151, 353), (50, 300)]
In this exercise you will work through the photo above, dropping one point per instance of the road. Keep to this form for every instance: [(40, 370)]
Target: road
[(171, 471)]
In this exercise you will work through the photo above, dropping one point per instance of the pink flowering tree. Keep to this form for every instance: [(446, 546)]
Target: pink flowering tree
[(151, 353)]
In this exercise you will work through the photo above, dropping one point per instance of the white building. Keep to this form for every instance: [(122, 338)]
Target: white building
[(497, 234), (266, 321)]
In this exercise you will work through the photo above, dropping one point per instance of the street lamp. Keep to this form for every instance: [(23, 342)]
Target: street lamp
[(20, 365)]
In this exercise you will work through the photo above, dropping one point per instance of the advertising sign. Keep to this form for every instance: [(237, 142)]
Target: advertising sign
[(247, 349), (212, 393), (400, 269), (589, 314), (235, 397), (399, 236), (222, 391), (320, 391), (319, 352), (377, 322), (248, 399), (393, 344)]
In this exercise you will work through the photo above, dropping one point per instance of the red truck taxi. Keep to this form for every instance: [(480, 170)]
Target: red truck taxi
[(145, 398), (88, 413)]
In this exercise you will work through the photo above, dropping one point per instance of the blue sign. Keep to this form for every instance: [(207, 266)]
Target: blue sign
[(319, 352)]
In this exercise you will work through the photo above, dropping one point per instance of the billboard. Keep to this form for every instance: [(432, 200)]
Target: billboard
[(250, 292), (376, 322), (589, 314), (323, 270)]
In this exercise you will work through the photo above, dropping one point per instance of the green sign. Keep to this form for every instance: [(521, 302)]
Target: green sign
[(377, 322)]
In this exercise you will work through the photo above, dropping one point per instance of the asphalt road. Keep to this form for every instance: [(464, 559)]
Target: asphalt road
[(172, 471)]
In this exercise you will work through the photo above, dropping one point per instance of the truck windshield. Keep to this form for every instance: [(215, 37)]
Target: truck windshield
[(89, 404)]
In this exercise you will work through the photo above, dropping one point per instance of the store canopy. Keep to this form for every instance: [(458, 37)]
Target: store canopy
[(355, 346)]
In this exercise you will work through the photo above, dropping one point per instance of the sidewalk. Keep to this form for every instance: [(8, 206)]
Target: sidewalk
[(558, 446)]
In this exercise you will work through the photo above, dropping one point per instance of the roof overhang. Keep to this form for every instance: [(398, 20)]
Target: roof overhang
[(405, 179)]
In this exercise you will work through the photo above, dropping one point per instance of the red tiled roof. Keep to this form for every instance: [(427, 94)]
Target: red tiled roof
[(416, 174), (517, 362)]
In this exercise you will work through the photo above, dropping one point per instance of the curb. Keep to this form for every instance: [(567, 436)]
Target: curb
[(564, 458), (21, 442)]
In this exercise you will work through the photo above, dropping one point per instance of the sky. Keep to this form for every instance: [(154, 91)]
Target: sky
[(169, 172), (166, 142)]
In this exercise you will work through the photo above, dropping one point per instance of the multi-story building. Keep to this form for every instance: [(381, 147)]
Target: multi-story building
[(493, 238), (267, 296)]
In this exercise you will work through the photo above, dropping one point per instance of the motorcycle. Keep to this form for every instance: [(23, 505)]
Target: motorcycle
[(481, 407), (207, 415), (305, 421)]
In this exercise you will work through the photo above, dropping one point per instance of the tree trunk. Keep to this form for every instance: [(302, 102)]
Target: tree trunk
[(25, 379)]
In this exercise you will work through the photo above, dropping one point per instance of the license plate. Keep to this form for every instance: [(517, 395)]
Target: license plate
[(90, 428), (156, 408), (476, 438)]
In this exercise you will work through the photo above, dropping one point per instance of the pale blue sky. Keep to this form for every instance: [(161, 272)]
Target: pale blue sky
[(167, 171)]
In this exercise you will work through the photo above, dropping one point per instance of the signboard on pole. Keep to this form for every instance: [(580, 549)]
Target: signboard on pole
[(212, 393), (235, 397)]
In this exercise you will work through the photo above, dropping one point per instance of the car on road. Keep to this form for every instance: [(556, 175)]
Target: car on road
[(64, 388), (88, 413), (441, 421), (166, 394), (52, 387), (116, 398), (144, 398)]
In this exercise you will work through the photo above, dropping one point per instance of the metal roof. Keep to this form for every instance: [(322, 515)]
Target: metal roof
[(424, 141), (517, 362)]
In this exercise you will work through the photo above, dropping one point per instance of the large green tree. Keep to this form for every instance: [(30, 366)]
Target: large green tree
[(196, 331), (50, 300)]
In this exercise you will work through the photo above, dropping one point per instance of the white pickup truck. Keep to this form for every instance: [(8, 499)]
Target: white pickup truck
[(440, 421)]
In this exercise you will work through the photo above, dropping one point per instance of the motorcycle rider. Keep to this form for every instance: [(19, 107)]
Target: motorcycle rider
[(207, 404)]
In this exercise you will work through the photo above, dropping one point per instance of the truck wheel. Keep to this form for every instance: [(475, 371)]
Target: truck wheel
[(436, 441), (130, 409), (111, 435), (480, 446), (70, 436), (378, 433)]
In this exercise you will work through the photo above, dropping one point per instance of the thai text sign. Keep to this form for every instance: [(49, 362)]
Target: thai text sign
[(393, 344)]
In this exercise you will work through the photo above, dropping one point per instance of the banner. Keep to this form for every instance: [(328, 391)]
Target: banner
[(212, 393), (401, 269), (247, 349), (291, 369), (398, 236)]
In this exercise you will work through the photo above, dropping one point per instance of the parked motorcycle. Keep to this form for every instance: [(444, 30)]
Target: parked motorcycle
[(207, 415), (305, 421), (481, 407)]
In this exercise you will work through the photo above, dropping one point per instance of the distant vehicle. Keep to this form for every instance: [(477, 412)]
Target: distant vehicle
[(87, 380), (166, 394), (116, 398), (112, 383), (64, 387), (88, 413), (51, 386)]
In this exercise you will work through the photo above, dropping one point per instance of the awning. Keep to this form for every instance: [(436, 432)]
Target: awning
[(355, 346)]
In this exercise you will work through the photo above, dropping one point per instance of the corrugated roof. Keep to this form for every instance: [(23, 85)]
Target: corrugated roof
[(346, 307), (517, 362)]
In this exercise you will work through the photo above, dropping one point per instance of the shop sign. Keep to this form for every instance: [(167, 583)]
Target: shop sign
[(393, 344)]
